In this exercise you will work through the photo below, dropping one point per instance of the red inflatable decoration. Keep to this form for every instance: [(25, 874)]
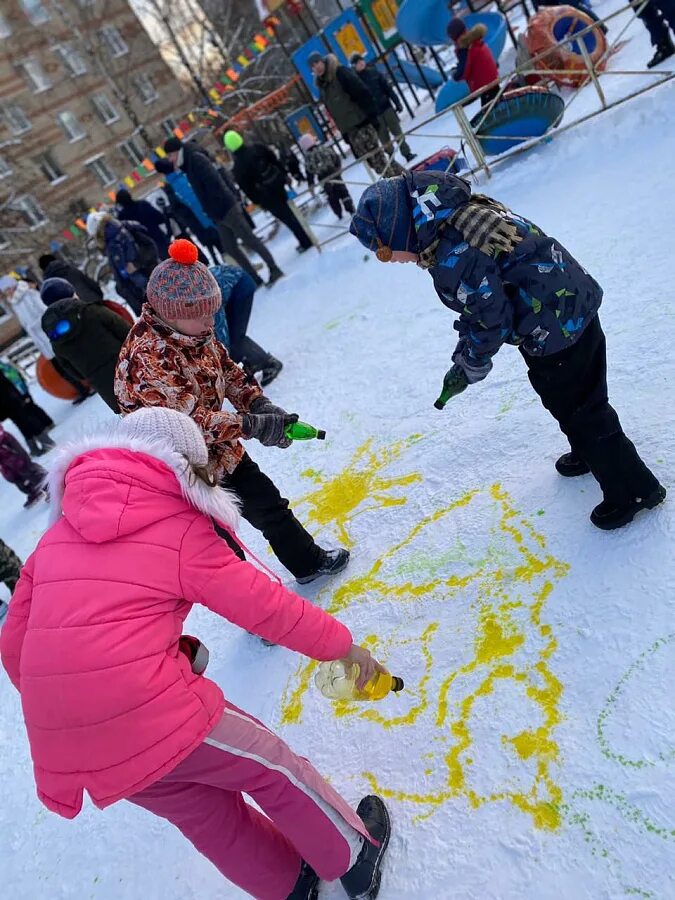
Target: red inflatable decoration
[(50, 380), (554, 29)]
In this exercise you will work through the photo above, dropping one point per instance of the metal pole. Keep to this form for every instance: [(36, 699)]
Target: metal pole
[(471, 139), (512, 34), (420, 70), (591, 68)]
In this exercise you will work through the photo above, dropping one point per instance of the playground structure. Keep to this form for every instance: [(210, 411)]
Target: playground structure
[(556, 31), (520, 114)]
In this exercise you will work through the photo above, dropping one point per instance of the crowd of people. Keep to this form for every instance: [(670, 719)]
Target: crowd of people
[(146, 510)]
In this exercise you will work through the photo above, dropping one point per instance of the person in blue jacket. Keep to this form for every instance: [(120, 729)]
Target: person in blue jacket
[(142, 211), (513, 284), (231, 322), (186, 207)]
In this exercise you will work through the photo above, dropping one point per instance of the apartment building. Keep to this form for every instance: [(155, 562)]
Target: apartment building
[(84, 95)]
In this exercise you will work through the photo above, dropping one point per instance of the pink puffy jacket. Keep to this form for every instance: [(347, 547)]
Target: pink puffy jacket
[(91, 639)]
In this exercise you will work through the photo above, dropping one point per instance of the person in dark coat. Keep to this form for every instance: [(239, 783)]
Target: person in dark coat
[(230, 323), (475, 63), (186, 209), (322, 162), (290, 162), (221, 205), (262, 178), (18, 469), (386, 103), (17, 404), (87, 288), (348, 101), (85, 337), (144, 212), (131, 252), (512, 284)]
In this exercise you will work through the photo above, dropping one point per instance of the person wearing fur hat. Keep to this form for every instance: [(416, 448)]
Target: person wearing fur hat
[(475, 63), (131, 252), (222, 205), (86, 337), (116, 703), (143, 212), (387, 106), (171, 358), (262, 178), (351, 107), (512, 284), (323, 163)]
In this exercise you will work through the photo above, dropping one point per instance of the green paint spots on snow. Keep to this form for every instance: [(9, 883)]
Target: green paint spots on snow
[(611, 704), (541, 512)]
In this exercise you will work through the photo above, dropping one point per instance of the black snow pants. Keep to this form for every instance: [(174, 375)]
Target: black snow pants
[(572, 386)]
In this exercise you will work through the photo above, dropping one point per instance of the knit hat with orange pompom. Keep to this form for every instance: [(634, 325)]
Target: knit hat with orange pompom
[(181, 287)]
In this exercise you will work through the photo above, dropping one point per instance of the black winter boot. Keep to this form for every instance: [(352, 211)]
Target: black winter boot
[(275, 275), (362, 881), (46, 442), (332, 562), (663, 51), (307, 885), (570, 465), (34, 448), (270, 371), (609, 516)]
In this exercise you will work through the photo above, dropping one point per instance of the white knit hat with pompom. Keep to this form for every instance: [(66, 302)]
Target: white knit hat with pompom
[(170, 429)]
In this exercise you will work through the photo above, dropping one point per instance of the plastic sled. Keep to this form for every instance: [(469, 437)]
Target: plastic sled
[(521, 114)]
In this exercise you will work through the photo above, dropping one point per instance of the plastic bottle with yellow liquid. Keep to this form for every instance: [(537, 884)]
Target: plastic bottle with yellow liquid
[(337, 681)]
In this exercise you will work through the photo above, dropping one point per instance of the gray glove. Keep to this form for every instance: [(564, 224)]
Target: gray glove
[(261, 406), (268, 429)]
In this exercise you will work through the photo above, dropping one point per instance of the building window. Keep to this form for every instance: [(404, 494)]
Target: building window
[(104, 109), (101, 170), (134, 151), (71, 59), (31, 210), (113, 40), (50, 168), (16, 118), (146, 89), (5, 168), (71, 125), (36, 11), (35, 75), (5, 29), (168, 125)]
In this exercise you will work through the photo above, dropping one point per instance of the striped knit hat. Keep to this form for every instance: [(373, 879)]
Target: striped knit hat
[(182, 287), (384, 219)]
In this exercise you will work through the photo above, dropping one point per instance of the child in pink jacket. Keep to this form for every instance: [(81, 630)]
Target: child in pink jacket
[(114, 697)]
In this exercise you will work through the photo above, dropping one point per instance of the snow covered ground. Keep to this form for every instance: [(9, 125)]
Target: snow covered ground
[(531, 754)]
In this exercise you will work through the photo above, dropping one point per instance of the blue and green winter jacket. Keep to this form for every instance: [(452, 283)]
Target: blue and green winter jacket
[(537, 296)]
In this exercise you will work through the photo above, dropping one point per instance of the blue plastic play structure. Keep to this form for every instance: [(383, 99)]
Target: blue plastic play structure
[(402, 67), (522, 114)]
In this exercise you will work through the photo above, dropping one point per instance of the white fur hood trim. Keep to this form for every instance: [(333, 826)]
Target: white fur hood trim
[(215, 502)]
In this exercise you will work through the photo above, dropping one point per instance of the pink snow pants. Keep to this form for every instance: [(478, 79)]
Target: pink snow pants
[(304, 817)]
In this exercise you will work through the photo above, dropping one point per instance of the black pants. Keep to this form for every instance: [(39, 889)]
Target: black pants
[(235, 227), (488, 96), (339, 196), (657, 16), (572, 386), (81, 389), (263, 507), (282, 211)]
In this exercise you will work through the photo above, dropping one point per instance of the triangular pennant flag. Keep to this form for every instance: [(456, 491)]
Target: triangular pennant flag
[(129, 181), (74, 230), (242, 60), (81, 224), (147, 164), (135, 177), (112, 196), (160, 152), (67, 234)]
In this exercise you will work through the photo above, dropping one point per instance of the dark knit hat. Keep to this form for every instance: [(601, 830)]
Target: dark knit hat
[(164, 165), (384, 219), (356, 57), (314, 58), (181, 287), (123, 197), (172, 145), (45, 259), (54, 289), (456, 28)]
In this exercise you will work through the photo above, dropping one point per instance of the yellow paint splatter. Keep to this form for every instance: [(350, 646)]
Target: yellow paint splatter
[(511, 645), (338, 500)]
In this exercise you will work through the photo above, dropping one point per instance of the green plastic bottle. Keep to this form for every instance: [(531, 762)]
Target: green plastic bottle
[(301, 431)]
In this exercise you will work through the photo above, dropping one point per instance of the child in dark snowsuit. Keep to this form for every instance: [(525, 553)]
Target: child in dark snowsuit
[(231, 321), (18, 468), (513, 284), (323, 163)]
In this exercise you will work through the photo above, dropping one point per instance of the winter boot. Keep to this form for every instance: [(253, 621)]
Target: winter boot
[(570, 465), (332, 562), (270, 371), (34, 447), (275, 275), (609, 516), (411, 157), (307, 885), (46, 442), (362, 881), (349, 206), (663, 51), (301, 249)]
